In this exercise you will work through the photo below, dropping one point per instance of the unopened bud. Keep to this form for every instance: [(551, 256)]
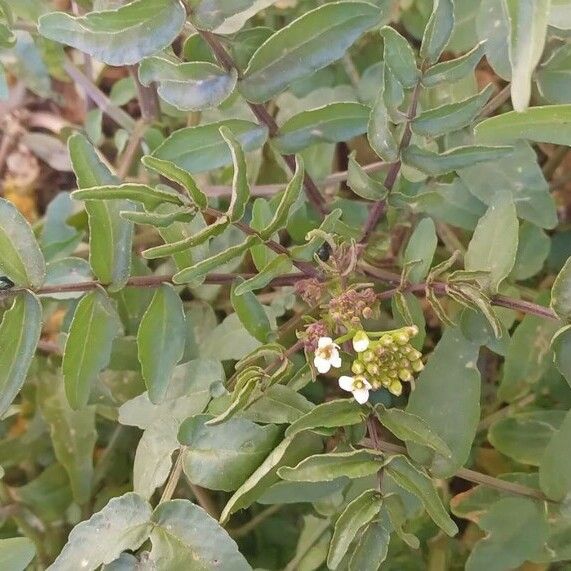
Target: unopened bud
[(367, 313), (360, 341), (402, 338), (358, 368), (373, 369), (412, 330), (405, 375), (396, 388), (368, 356), (417, 366)]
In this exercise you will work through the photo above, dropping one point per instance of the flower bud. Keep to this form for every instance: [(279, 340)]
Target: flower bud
[(396, 388), (402, 337), (417, 366), (360, 341), (368, 356), (373, 369), (412, 330), (357, 367), (405, 375)]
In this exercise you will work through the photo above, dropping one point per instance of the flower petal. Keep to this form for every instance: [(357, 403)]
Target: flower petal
[(367, 384), (322, 365), (361, 395), (346, 383), (324, 342), (335, 360)]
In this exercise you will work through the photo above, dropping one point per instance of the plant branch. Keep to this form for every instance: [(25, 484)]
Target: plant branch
[(378, 209), (120, 117), (441, 288), (264, 117), (254, 522), (174, 477), (496, 102), (150, 282), (476, 477), (147, 95)]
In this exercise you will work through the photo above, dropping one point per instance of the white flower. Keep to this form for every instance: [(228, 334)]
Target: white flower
[(358, 385), (360, 341), (326, 355)]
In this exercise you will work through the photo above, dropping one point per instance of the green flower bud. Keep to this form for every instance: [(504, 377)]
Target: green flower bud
[(402, 337), (396, 388), (368, 356), (373, 369), (405, 375), (357, 367), (417, 366)]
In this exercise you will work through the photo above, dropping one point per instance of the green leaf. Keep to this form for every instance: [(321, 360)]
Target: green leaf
[(288, 199), (435, 164), (451, 379), (411, 428), (455, 69), (279, 405), (543, 124), (73, 434), (118, 37), (379, 132), (528, 356), (251, 312), (399, 57), (279, 265), (110, 236), (198, 271), (561, 345), (451, 116), (302, 492), (525, 435), (358, 513), (516, 531), (223, 17), (332, 123), (362, 184), (438, 30), (327, 467), (202, 148), (150, 197), (372, 548), (222, 457), (184, 536), (555, 466), (554, 76), (192, 86), (153, 457), (528, 19), (20, 256), (160, 340), (400, 469), (498, 226), (16, 553), (240, 184), (19, 335), (179, 176), (122, 524), (289, 451), (331, 414), (561, 292), (517, 174), (312, 41), (88, 347), (159, 220), (532, 251), (421, 246)]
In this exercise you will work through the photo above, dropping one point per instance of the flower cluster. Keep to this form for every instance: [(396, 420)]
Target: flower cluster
[(352, 306), (383, 360)]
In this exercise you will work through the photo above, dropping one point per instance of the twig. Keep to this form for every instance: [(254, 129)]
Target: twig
[(440, 288), (477, 477), (264, 117), (120, 117), (486, 422), (553, 162), (147, 95), (130, 152), (378, 209), (204, 500), (254, 522), (174, 477), (496, 102)]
